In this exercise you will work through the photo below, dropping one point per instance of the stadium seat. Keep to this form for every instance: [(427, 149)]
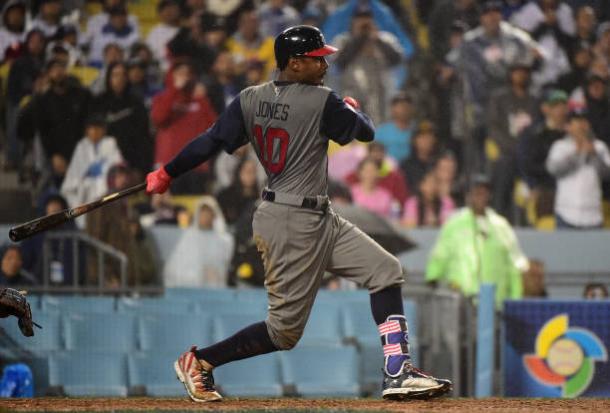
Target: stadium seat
[(77, 304), (100, 332), (251, 294), (321, 371), (45, 340), (40, 373), (155, 371), (324, 325), (34, 300), (246, 308), (360, 296), (187, 201), (85, 74), (359, 325), (226, 325), (89, 373), (371, 365), (411, 313), (174, 333), (200, 294), (154, 305), (257, 376)]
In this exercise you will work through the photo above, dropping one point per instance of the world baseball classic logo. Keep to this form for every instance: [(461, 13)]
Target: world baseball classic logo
[(565, 357)]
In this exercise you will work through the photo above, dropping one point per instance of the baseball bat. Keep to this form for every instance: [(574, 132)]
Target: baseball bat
[(33, 227)]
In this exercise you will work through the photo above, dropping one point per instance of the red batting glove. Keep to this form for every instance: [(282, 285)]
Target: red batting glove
[(352, 102), (158, 181)]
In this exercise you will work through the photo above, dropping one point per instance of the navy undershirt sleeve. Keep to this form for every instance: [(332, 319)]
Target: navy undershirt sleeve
[(228, 133), (342, 123)]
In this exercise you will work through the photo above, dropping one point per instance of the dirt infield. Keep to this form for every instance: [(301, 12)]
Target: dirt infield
[(301, 405)]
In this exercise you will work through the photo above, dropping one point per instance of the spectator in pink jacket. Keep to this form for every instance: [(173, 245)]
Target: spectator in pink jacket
[(390, 176), (367, 193), (428, 208)]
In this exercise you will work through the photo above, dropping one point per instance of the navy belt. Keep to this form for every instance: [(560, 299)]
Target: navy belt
[(318, 203)]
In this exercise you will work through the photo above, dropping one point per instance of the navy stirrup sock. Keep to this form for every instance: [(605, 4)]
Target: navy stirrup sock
[(251, 341)]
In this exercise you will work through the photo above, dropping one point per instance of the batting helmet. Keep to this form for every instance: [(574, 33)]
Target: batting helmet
[(300, 41)]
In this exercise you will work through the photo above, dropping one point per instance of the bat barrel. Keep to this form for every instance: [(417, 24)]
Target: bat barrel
[(31, 228)]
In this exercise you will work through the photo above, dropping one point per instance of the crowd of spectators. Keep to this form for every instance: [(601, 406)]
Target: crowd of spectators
[(517, 90)]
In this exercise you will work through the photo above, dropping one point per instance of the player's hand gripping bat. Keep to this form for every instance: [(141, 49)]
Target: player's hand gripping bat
[(28, 229)]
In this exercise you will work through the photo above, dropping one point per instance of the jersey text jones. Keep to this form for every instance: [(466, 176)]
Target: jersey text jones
[(277, 111)]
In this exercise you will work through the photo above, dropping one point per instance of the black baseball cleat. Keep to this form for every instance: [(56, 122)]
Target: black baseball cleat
[(413, 383)]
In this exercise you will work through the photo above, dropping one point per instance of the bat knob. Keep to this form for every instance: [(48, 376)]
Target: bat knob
[(12, 234)]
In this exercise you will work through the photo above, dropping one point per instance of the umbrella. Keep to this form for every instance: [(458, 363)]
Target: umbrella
[(376, 227)]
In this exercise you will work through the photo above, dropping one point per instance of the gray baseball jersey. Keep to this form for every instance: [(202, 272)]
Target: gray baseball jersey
[(284, 127)]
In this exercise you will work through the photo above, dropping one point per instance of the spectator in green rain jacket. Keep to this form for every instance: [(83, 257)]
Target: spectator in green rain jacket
[(477, 245)]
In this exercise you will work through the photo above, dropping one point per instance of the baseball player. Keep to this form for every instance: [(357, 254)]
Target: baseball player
[(289, 122)]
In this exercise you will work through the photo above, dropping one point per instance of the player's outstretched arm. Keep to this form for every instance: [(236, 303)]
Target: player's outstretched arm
[(228, 133), (342, 121)]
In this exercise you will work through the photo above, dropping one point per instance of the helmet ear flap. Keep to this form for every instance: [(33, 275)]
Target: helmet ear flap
[(283, 62)]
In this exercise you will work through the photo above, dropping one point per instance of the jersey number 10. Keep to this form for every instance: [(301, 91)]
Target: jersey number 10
[(269, 143)]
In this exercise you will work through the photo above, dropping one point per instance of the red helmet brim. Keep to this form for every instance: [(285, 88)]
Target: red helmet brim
[(322, 51)]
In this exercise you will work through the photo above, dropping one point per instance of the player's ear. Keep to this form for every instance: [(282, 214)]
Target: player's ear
[(294, 64)]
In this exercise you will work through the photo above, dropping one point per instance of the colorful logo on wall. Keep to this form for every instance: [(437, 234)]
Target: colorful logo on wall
[(565, 357)]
